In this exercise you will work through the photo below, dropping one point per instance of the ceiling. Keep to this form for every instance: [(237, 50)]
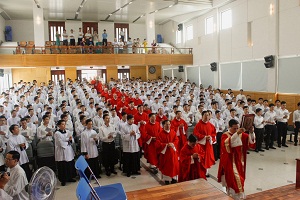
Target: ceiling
[(97, 10)]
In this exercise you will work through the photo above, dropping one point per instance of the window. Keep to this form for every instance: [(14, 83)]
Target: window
[(178, 37), (189, 33), (209, 25), (53, 27), (226, 19)]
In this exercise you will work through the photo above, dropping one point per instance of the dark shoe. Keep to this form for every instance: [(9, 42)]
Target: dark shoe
[(261, 150), (248, 152), (207, 175), (295, 144), (279, 146), (107, 173), (128, 174), (120, 168), (173, 181), (267, 148), (98, 176), (284, 145), (272, 147), (154, 170), (114, 172), (63, 183), (167, 182), (72, 180), (256, 150)]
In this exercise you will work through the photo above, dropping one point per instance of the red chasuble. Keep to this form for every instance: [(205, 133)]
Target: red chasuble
[(233, 162), (191, 170), (168, 162), (130, 111), (160, 119), (150, 153), (141, 117), (137, 102), (201, 130), (181, 132)]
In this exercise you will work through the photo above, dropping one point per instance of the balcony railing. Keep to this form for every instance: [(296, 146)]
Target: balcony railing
[(92, 50)]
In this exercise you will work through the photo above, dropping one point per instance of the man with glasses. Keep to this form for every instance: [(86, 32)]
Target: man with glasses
[(15, 187)]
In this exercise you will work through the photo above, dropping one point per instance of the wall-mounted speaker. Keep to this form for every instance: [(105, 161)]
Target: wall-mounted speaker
[(1, 72), (269, 61), (180, 68), (213, 66), (180, 27)]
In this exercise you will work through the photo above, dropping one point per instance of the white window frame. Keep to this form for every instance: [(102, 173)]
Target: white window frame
[(209, 28), (228, 23), (189, 32)]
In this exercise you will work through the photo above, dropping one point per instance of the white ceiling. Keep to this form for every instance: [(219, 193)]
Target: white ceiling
[(96, 10)]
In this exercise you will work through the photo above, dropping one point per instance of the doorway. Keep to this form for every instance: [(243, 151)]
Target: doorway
[(57, 75), (124, 74), (124, 28), (92, 26)]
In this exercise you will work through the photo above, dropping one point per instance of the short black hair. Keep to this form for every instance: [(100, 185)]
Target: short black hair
[(12, 127), (15, 155), (129, 117), (233, 122), (192, 138)]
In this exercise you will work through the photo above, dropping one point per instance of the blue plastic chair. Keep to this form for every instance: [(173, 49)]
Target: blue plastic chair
[(86, 191)]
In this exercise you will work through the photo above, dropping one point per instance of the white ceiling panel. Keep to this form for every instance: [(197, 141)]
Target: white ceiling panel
[(96, 10)]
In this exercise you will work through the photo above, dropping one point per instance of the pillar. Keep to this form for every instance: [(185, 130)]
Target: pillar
[(150, 28), (112, 72), (71, 72), (38, 25)]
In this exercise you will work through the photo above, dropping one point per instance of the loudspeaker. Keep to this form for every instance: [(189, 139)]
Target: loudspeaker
[(180, 69), (269, 61), (213, 66), (1, 72), (180, 27)]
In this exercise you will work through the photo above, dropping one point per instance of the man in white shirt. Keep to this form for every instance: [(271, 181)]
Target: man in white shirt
[(14, 118), (18, 143), (15, 187), (107, 133), (4, 132), (296, 122), (282, 116), (259, 124), (130, 134), (3, 181), (89, 142)]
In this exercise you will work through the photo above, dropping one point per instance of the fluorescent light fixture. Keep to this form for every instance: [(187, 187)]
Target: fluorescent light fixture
[(110, 14), (77, 13), (130, 3), (81, 6), (156, 11), (170, 6)]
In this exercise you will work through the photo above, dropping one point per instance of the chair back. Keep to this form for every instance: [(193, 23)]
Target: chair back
[(29, 152), (45, 149), (81, 166)]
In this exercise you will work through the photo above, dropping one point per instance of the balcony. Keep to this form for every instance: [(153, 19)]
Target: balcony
[(29, 55)]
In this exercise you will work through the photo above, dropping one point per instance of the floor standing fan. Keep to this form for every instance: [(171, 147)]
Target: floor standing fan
[(42, 184)]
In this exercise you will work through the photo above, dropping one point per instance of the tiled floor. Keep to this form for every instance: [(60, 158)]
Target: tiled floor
[(267, 170)]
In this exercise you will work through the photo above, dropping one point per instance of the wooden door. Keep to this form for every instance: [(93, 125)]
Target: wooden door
[(57, 75), (92, 26), (118, 28)]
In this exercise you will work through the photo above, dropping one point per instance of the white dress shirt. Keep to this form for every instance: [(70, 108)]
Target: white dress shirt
[(258, 121), (88, 144), (13, 144), (296, 116), (130, 143), (63, 148)]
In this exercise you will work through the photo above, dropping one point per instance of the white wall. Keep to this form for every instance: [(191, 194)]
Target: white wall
[(22, 30), (2, 28), (232, 45)]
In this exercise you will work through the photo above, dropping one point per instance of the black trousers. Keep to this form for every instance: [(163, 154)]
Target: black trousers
[(282, 132), (270, 131), (66, 170), (104, 42), (65, 42), (296, 130), (131, 162), (217, 146), (72, 42), (259, 135), (27, 170), (94, 165), (109, 156), (79, 41)]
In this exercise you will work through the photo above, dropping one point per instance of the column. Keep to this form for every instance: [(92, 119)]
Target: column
[(150, 28), (38, 24)]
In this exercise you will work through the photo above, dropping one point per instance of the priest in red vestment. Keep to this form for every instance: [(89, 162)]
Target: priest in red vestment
[(137, 101), (191, 161), (168, 164), (160, 117), (140, 119), (232, 166), (206, 135), (131, 110), (122, 106), (180, 127), (153, 129)]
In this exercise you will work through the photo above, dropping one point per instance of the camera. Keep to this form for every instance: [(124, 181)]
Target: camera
[(2, 174)]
